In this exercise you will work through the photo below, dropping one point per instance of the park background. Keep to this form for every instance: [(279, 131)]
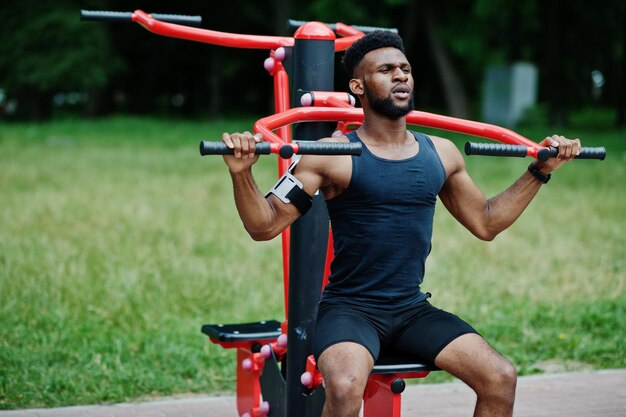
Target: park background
[(117, 241)]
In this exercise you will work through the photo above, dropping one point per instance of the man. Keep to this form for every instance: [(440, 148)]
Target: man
[(381, 206)]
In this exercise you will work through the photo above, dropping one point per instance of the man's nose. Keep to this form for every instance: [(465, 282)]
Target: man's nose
[(400, 75)]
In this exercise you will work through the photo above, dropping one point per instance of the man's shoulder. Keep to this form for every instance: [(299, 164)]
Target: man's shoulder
[(331, 169), (439, 140), (445, 147), (449, 154)]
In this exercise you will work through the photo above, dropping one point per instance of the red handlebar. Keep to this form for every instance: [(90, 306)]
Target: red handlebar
[(232, 40), (157, 24), (209, 36), (267, 124)]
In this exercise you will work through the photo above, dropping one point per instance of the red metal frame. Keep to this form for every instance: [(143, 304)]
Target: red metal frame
[(379, 399), (249, 369), (284, 116), (232, 40), (327, 98), (418, 118), (275, 67), (248, 380)]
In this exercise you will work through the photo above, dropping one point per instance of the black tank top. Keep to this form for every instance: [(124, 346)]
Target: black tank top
[(382, 228)]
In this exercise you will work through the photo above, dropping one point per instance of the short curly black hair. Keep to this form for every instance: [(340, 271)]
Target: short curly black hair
[(373, 40)]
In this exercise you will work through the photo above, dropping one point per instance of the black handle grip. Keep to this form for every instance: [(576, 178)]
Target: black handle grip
[(106, 16), (109, 16), (329, 148), (286, 151), (220, 148), (179, 19), (295, 24), (502, 149), (585, 153), (495, 149)]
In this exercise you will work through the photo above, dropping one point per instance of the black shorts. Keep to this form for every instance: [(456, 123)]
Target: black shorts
[(420, 330)]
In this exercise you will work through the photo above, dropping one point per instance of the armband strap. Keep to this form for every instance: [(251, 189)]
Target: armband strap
[(540, 176), (290, 190)]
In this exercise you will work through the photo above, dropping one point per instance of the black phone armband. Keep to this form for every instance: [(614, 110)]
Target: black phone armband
[(290, 190)]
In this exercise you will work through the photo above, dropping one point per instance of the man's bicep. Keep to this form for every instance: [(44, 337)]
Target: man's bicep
[(284, 213), (309, 171), (292, 194), (459, 188), (464, 200)]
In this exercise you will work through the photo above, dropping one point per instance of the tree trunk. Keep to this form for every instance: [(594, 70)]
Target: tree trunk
[(553, 78), (621, 97), (215, 86), (410, 25), (40, 103), (282, 11), (514, 50), (99, 102), (456, 98)]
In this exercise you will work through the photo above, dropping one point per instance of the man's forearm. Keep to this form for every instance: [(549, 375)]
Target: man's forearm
[(255, 211), (505, 208)]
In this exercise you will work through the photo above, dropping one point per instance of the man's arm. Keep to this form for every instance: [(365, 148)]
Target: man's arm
[(486, 218), (264, 218)]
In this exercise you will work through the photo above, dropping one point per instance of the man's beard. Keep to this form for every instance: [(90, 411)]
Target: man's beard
[(387, 107)]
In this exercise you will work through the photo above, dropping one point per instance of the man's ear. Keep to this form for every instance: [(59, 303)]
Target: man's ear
[(356, 86)]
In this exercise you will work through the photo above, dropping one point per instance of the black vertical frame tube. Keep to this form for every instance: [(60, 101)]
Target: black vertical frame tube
[(313, 67)]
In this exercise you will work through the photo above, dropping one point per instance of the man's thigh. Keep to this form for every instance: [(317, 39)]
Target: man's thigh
[(346, 360), (340, 323), (471, 359), (427, 331)]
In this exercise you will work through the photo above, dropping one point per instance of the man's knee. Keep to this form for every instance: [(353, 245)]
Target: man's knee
[(345, 367), (507, 374), (346, 388), (501, 380)]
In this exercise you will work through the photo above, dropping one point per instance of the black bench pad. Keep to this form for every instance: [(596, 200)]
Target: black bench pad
[(393, 361), (261, 330)]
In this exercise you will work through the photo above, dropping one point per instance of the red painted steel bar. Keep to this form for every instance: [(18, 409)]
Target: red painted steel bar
[(417, 118), (276, 69), (231, 40)]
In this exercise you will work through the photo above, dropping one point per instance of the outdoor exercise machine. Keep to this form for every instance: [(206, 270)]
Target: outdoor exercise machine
[(276, 373)]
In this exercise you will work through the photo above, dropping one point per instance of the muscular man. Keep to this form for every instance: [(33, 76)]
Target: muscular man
[(381, 207)]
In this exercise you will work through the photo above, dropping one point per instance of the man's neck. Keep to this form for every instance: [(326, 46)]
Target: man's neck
[(383, 131)]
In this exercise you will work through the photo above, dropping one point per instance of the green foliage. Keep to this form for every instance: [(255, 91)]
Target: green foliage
[(593, 118), (111, 260), (534, 116), (52, 51), (347, 11), (46, 49)]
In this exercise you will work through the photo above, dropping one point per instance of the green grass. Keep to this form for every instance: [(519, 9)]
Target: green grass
[(118, 241)]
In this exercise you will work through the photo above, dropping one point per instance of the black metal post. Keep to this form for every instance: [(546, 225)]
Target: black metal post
[(313, 65)]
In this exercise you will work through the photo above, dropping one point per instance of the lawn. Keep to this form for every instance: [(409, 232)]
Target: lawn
[(118, 241)]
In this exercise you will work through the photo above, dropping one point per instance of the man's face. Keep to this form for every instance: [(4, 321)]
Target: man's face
[(387, 82)]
